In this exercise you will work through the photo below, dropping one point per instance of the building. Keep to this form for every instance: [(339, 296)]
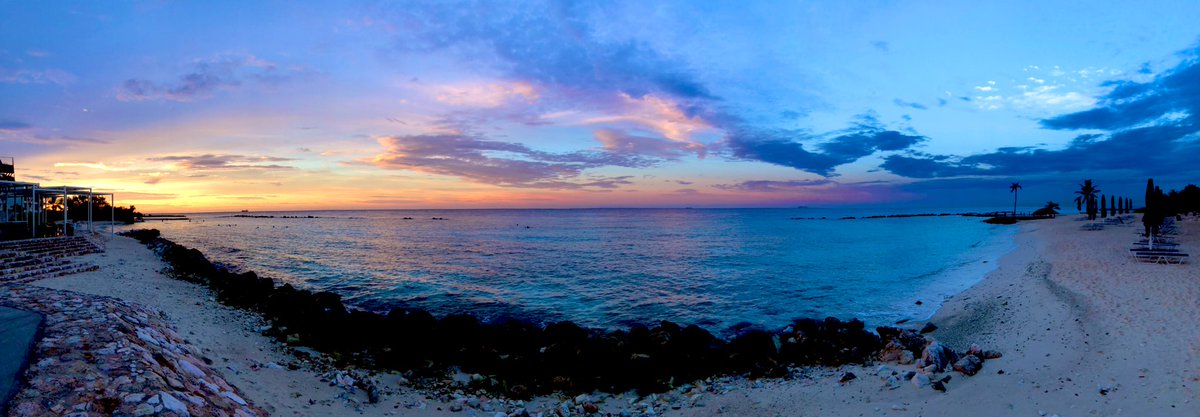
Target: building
[(31, 210)]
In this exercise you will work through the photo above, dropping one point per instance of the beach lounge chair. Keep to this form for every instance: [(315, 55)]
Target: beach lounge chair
[(1160, 257)]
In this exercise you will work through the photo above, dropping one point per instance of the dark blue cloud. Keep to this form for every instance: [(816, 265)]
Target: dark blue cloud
[(1131, 104), (910, 104), (1149, 128), (9, 124), (785, 147)]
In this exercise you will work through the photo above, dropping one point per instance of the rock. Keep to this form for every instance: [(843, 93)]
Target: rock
[(939, 356), (892, 382), (590, 408), (920, 380), (968, 365), (456, 407), (929, 328), (847, 377), (191, 369), (133, 398), (373, 395), (883, 371), (975, 350), (938, 386), (891, 351), (906, 358), (143, 410), (233, 397), (173, 404), (991, 354)]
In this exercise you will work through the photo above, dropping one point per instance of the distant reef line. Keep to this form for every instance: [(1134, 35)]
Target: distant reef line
[(521, 358), (993, 214)]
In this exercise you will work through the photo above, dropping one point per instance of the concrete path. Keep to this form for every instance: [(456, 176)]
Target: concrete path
[(17, 331)]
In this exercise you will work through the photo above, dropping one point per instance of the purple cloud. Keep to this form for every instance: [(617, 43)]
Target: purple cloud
[(207, 77), (616, 141), (767, 186), (211, 161), (500, 163)]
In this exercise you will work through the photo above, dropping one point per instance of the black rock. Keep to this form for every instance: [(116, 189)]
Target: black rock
[(847, 377), (938, 386), (929, 328)]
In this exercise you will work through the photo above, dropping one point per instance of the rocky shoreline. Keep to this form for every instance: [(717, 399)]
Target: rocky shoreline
[(99, 356), (519, 360)]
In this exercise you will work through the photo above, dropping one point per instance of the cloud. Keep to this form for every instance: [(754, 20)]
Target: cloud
[(145, 196), (547, 44), (552, 48), (1147, 127), (43, 138), (651, 112), (910, 104), (10, 125), (882, 46), (48, 76), (784, 148), (768, 186), (620, 142), (500, 163), (214, 161), (207, 76)]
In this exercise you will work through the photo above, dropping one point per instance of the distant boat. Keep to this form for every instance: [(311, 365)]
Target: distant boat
[(245, 211)]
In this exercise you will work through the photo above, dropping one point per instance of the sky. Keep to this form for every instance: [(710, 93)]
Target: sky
[(207, 106)]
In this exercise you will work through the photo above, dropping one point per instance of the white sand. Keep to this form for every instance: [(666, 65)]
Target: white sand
[(1072, 313), (1070, 310)]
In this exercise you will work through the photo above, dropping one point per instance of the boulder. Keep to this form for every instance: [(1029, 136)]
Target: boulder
[(939, 356), (920, 380), (968, 365)]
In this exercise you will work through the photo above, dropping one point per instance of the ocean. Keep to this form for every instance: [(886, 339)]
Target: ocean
[(609, 268)]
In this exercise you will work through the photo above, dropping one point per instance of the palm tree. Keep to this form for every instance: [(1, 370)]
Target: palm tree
[(1050, 210), (1087, 197), (1013, 189)]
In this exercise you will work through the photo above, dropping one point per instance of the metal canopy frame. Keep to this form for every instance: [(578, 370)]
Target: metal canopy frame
[(35, 192)]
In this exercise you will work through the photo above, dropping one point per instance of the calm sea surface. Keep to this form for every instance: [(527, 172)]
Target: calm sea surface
[(613, 267)]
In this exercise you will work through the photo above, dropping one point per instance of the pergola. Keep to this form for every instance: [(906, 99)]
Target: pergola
[(32, 194)]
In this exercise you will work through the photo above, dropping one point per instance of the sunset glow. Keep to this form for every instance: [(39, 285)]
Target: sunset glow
[(206, 106)]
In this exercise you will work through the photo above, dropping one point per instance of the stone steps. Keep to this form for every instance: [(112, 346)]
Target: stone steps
[(33, 259), (51, 272)]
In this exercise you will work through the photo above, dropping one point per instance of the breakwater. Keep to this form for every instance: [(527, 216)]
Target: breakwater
[(522, 358)]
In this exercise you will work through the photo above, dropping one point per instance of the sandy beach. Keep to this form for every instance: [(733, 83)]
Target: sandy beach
[(1084, 330)]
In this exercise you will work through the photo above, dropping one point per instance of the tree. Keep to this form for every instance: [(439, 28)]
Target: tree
[(78, 210), (1103, 210), (1087, 197), (1049, 210), (1013, 189), (1112, 206)]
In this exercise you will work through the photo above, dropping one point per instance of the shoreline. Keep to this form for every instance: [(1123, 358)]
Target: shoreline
[(944, 271), (1029, 384)]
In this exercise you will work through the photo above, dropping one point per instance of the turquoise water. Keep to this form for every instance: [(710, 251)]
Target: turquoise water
[(613, 267)]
